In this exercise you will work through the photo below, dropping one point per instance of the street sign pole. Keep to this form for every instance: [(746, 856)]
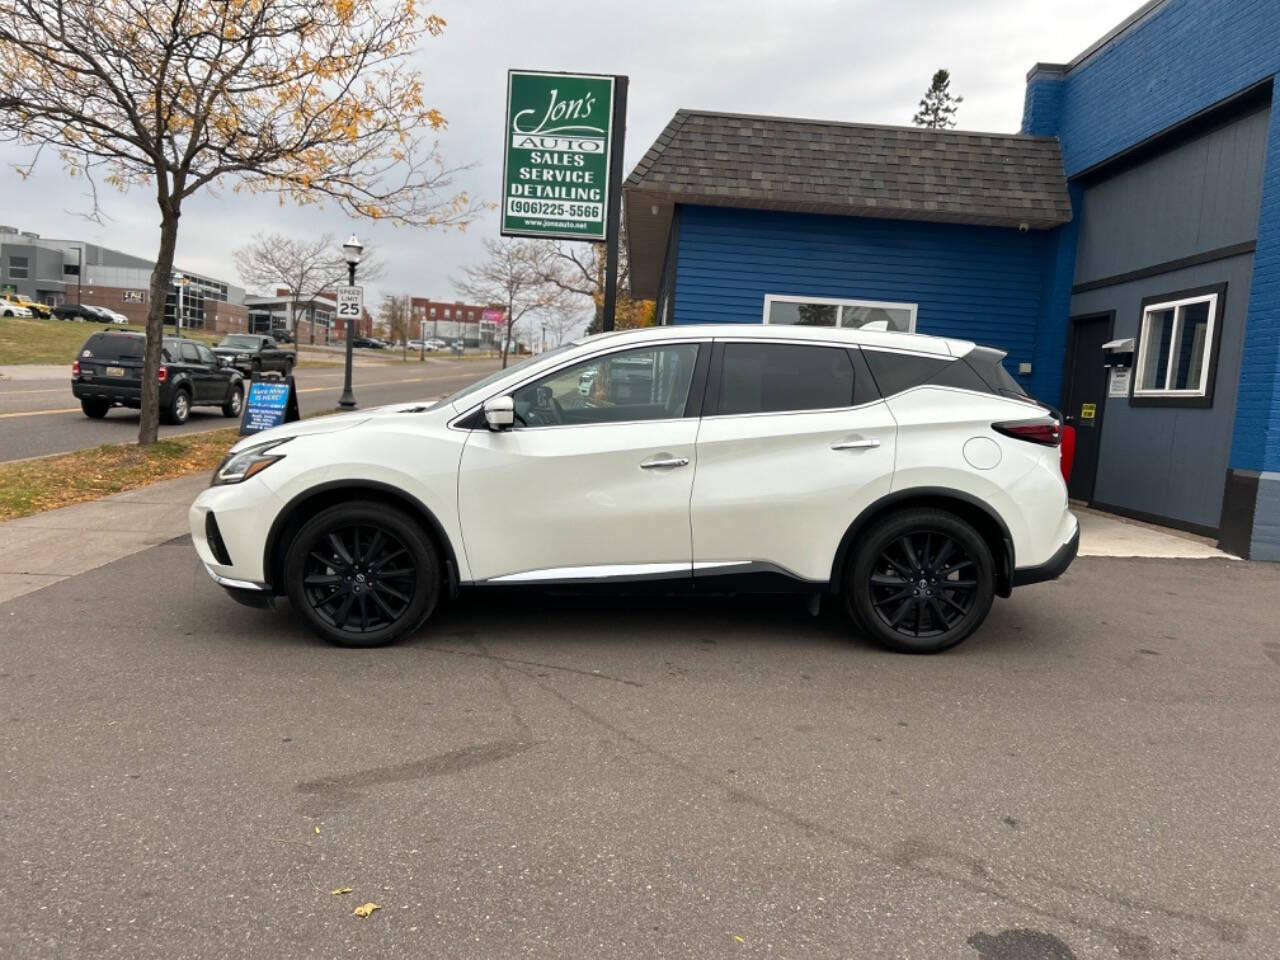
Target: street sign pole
[(618, 130), (350, 308)]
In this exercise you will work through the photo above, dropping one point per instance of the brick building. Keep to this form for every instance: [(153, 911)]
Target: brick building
[(60, 271), (1123, 247), (471, 323)]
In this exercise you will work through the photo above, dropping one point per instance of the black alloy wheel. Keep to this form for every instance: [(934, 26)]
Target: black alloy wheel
[(923, 581), (362, 574)]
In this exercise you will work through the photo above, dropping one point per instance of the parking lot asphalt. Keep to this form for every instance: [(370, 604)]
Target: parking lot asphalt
[(39, 417), (1093, 775)]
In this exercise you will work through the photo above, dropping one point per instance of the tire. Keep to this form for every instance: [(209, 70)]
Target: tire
[(95, 409), (947, 595), (288, 369), (235, 402), (255, 368), (324, 582), (179, 407)]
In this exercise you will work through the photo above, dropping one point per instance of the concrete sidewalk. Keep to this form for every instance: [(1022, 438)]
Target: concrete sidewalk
[(43, 549), (36, 371)]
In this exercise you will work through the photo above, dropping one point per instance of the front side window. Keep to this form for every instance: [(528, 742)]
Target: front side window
[(206, 355), (776, 378), (827, 312), (19, 267), (648, 384), (1176, 346)]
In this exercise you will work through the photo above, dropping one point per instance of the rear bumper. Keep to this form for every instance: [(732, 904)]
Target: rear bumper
[(117, 393), (1052, 568)]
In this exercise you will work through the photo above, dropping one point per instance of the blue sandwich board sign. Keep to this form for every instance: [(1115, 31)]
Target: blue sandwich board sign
[(269, 403)]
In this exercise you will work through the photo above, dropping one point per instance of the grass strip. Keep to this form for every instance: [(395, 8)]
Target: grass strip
[(33, 486)]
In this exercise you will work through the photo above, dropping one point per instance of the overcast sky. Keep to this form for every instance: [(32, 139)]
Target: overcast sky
[(856, 60)]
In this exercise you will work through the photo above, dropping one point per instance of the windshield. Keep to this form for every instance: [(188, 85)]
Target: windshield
[(479, 385), (239, 341)]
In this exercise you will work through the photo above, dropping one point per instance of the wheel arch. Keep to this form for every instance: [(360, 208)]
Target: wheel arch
[(989, 524), (305, 504)]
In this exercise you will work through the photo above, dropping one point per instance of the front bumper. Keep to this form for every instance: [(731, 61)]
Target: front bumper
[(243, 514), (1052, 568)]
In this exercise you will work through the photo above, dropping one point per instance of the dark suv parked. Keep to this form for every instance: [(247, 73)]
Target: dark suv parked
[(73, 311), (254, 353), (108, 373)]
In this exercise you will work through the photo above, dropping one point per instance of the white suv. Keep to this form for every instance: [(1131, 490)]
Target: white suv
[(908, 475)]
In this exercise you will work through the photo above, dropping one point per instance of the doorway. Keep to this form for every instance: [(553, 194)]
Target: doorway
[(1084, 397)]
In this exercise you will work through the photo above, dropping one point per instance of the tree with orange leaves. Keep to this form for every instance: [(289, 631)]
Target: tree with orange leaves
[(310, 100)]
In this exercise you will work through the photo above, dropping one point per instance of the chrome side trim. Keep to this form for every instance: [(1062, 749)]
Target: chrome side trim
[(608, 571), (234, 584)]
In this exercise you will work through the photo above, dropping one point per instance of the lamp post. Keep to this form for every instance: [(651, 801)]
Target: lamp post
[(351, 250)]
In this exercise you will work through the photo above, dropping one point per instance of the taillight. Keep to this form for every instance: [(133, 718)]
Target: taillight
[(1045, 432), (164, 374), (1068, 451), (75, 368)]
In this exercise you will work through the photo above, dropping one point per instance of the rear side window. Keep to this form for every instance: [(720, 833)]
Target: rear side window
[(989, 366), (189, 352), (108, 346), (981, 371), (776, 377)]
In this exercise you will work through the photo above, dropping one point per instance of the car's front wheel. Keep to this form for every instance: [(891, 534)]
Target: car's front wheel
[(362, 575), (921, 581)]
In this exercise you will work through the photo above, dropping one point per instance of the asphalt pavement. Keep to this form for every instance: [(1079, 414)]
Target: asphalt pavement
[(39, 417), (1093, 775)]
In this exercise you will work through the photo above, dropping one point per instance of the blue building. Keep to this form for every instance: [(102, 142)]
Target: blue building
[(1123, 247)]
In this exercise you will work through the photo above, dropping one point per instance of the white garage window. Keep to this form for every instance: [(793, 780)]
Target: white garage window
[(829, 312), (1176, 347)]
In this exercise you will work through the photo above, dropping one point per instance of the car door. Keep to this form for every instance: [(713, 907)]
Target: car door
[(216, 375), (201, 382), (795, 442), (589, 486)]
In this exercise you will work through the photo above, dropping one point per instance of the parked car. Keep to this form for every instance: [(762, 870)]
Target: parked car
[(367, 343), (107, 373), (38, 309), (11, 308), (255, 353), (416, 345), (908, 477), (437, 344), (281, 335), (74, 311), (105, 314)]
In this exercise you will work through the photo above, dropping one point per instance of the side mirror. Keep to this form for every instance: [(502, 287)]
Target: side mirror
[(500, 413)]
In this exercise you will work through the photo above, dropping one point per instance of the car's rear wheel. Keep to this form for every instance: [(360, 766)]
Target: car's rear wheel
[(95, 409), (362, 574), (922, 581), (288, 369), (235, 402), (179, 407)]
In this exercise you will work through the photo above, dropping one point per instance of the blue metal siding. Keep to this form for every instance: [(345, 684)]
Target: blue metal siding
[(1182, 58), (977, 283)]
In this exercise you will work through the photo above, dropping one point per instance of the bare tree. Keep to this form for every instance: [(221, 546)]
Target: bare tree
[(579, 269), (306, 268), (312, 100), (394, 312), (509, 278)]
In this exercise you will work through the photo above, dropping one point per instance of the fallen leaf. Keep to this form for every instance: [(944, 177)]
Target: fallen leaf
[(365, 909), (738, 938), (317, 829), (339, 892)]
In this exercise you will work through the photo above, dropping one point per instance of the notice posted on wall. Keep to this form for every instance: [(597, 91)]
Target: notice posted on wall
[(268, 404), (1119, 383)]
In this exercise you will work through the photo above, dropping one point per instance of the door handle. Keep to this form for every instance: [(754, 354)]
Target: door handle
[(855, 444), (659, 462)]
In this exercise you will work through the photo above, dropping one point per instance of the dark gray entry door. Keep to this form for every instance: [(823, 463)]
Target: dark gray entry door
[(1085, 397)]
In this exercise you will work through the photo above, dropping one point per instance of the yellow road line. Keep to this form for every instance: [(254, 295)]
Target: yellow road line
[(39, 413)]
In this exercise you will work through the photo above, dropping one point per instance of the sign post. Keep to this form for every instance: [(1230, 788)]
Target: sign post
[(562, 162), (350, 309)]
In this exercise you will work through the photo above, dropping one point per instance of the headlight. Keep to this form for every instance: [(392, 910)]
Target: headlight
[(242, 356), (238, 467)]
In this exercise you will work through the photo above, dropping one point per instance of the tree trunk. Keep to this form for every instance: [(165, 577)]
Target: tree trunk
[(149, 422)]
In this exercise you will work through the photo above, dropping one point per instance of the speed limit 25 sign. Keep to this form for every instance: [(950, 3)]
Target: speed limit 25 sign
[(350, 302)]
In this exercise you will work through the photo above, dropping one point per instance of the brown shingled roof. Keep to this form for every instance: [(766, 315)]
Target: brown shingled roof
[(847, 169)]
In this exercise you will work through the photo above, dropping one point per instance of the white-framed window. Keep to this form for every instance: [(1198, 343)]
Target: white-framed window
[(1176, 346), (835, 312)]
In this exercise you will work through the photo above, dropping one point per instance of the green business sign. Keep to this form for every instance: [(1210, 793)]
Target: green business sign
[(555, 177)]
